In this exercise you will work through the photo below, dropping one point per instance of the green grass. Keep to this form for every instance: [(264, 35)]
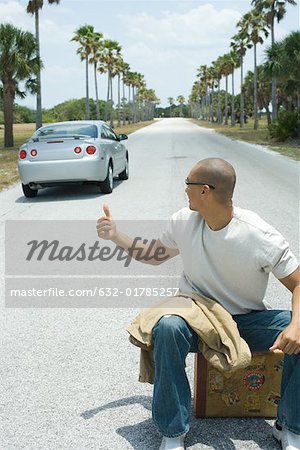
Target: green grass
[(9, 156), (261, 136)]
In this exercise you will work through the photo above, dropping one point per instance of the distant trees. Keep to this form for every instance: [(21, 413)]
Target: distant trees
[(106, 58), (283, 62), (74, 109), (276, 81), (171, 102), (18, 63)]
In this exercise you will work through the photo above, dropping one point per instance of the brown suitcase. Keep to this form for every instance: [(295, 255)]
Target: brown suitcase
[(250, 392)]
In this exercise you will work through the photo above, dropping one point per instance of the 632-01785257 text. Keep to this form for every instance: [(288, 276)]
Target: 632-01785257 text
[(139, 292)]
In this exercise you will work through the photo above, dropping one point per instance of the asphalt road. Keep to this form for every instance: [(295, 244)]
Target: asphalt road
[(69, 376)]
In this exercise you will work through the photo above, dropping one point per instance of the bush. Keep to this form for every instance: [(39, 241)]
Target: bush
[(72, 110), (286, 126), (22, 114)]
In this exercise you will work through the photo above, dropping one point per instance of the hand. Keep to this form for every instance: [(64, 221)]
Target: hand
[(288, 341), (106, 227)]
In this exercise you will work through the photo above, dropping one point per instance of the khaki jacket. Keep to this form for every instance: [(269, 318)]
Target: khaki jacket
[(220, 341)]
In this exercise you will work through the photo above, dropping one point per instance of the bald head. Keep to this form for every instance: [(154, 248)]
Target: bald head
[(220, 174)]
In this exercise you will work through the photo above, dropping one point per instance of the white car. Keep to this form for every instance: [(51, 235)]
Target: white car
[(73, 152)]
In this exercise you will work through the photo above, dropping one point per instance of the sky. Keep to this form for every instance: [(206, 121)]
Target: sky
[(166, 41)]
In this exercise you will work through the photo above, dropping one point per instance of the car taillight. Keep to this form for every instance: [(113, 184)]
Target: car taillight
[(91, 150), (77, 150), (23, 154), (33, 152)]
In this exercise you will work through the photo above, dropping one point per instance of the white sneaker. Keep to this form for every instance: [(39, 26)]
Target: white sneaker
[(172, 443), (289, 440)]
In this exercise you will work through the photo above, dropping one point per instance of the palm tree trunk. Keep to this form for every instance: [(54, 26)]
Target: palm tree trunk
[(133, 104), (87, 101), (274, 96), (232, 101), (8, 101), (226, 101), (269, 119), (206, 102), (107, 96), (39, 120), (242, 97), (211, 104), (119, 99), (219, 104), (129, 100), (124, 109), (111, 105), (255, 90), (96, 92)]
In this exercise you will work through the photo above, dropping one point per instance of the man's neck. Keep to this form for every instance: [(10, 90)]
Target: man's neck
[(216, 220)]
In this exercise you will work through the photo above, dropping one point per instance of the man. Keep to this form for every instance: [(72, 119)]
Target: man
[(227, 255)]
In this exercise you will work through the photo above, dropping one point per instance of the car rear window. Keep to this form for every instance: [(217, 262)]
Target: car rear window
[(66, 130)]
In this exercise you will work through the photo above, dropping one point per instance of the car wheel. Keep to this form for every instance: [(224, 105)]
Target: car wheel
[(125, 174), (107, 185), (28, 192)]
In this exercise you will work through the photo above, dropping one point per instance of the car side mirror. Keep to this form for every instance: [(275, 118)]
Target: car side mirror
[(122, 137)]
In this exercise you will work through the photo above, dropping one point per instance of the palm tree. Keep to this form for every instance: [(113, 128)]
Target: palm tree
[(290, 72), (148, 100), (233, 63), (139, 83), (96, 46), (253, 24), (212, 78), (218, 66), (271, 10), (284, 62), (84, 36), (33, 8), (263, 91), (239, 44), (129, 81), (181, 101), (109, 59), (125, 70), (118, 70), (227, 69), (203, 76), (193, 99), (18, 63), (171, 103), (201, 90), (152, 101)]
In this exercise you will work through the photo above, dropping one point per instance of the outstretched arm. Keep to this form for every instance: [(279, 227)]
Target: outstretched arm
[(153, 252), (289, 339)]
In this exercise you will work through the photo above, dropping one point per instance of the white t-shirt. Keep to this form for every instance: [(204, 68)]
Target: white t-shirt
[(231, 265)]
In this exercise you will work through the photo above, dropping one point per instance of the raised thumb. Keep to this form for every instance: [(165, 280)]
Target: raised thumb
[(106, 210)]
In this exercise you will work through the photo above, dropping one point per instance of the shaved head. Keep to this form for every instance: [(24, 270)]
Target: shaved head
[(220, 174)]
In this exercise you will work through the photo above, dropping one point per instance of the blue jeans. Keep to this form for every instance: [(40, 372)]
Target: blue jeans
[(174, 339)]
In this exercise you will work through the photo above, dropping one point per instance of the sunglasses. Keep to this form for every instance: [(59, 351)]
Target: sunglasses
[(188, 183)]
